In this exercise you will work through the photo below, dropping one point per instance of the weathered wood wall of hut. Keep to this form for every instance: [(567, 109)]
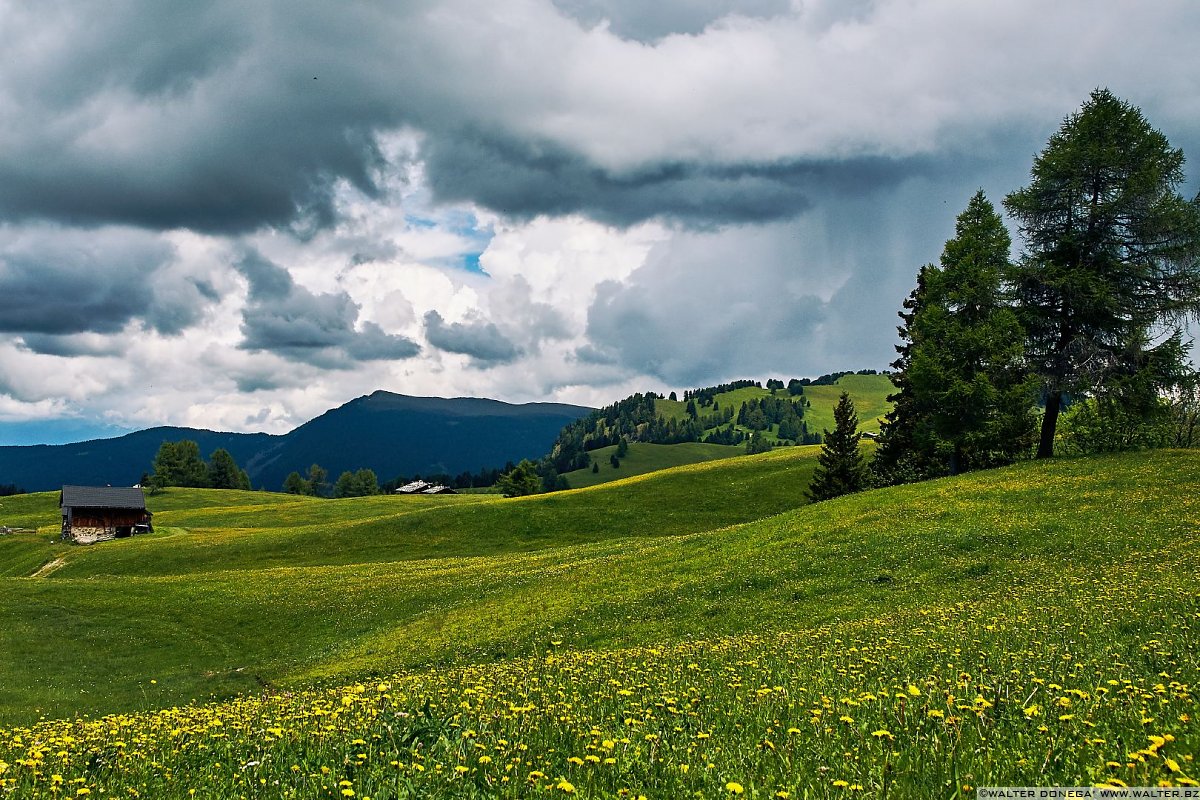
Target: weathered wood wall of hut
[(106, 518), (91, 525)]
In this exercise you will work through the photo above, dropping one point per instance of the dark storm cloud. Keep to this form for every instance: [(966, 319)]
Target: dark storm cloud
[(61, 297), (647, 21), (223, 117), (478, 338), (218, 117), (268, 281), (56, 282), (319, 329), (524, 179), (255, 382), (372, 343), (52, 345)]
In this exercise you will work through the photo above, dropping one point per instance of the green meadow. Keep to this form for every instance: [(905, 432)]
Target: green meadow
[(643, 457), (693, 631), (869, 393)]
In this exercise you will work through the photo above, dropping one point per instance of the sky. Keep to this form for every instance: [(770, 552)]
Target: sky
[(237, 215)]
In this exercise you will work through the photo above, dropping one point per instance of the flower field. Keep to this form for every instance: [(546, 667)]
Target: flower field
[(918, 643)]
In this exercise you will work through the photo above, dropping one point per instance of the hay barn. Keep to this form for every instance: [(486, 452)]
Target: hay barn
[(96, 513)]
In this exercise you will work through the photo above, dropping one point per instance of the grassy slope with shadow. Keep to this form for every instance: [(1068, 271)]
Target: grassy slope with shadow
[(93, 642)]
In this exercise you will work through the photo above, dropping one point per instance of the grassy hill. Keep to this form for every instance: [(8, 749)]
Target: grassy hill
[(869, 393), (643, 457), (1035, 625), (208, 531)]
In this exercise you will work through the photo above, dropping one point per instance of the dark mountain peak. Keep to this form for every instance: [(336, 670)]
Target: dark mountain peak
[(390, 433)]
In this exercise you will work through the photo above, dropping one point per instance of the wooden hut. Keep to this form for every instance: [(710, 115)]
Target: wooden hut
[(96, 513)]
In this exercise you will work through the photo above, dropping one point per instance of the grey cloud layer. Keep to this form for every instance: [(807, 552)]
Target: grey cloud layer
[(319, 329), (805, 157), (477, 338), (226, 116), (525, 179), (56, 282), (648, 21), (205, 116)]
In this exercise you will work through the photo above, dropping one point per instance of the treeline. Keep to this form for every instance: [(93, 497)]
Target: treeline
[(179, 464), (636, 419), (364, 482), (10, 489), (359, 483), (830, 379), (704, 397)]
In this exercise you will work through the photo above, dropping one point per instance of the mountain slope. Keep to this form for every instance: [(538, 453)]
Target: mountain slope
[(396, 434), (390, 433), (117, 462)]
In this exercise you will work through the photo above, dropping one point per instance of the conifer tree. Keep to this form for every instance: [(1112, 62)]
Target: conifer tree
[(179, 464), (841, 468), (967, 366), (522, 480), (897, 457), (1112, 250), (316, 480), (294, 484), (224, 473), (964, 399)]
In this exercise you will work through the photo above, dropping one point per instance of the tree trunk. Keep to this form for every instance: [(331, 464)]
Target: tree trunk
[(1049, 424)]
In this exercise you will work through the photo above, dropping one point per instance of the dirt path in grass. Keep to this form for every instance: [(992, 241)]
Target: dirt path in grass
[(48, 568)]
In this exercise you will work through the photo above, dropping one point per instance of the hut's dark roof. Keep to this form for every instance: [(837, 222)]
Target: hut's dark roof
[(102, 497)]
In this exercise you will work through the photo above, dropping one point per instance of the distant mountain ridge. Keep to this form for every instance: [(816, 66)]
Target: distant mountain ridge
[(393, 434)]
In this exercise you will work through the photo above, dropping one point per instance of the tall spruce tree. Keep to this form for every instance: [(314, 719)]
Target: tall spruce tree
[(967, 366), (841, 468), (1112, 250), (897, 458)]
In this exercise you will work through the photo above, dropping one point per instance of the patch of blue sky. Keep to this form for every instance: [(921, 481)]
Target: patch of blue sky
[(27, 432), (466, 227), (414, 221)]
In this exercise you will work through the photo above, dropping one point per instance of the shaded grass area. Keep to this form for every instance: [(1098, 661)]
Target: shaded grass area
[(215, 631)]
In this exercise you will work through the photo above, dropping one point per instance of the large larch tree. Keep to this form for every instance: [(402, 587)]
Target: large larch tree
[(1111, 250)]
